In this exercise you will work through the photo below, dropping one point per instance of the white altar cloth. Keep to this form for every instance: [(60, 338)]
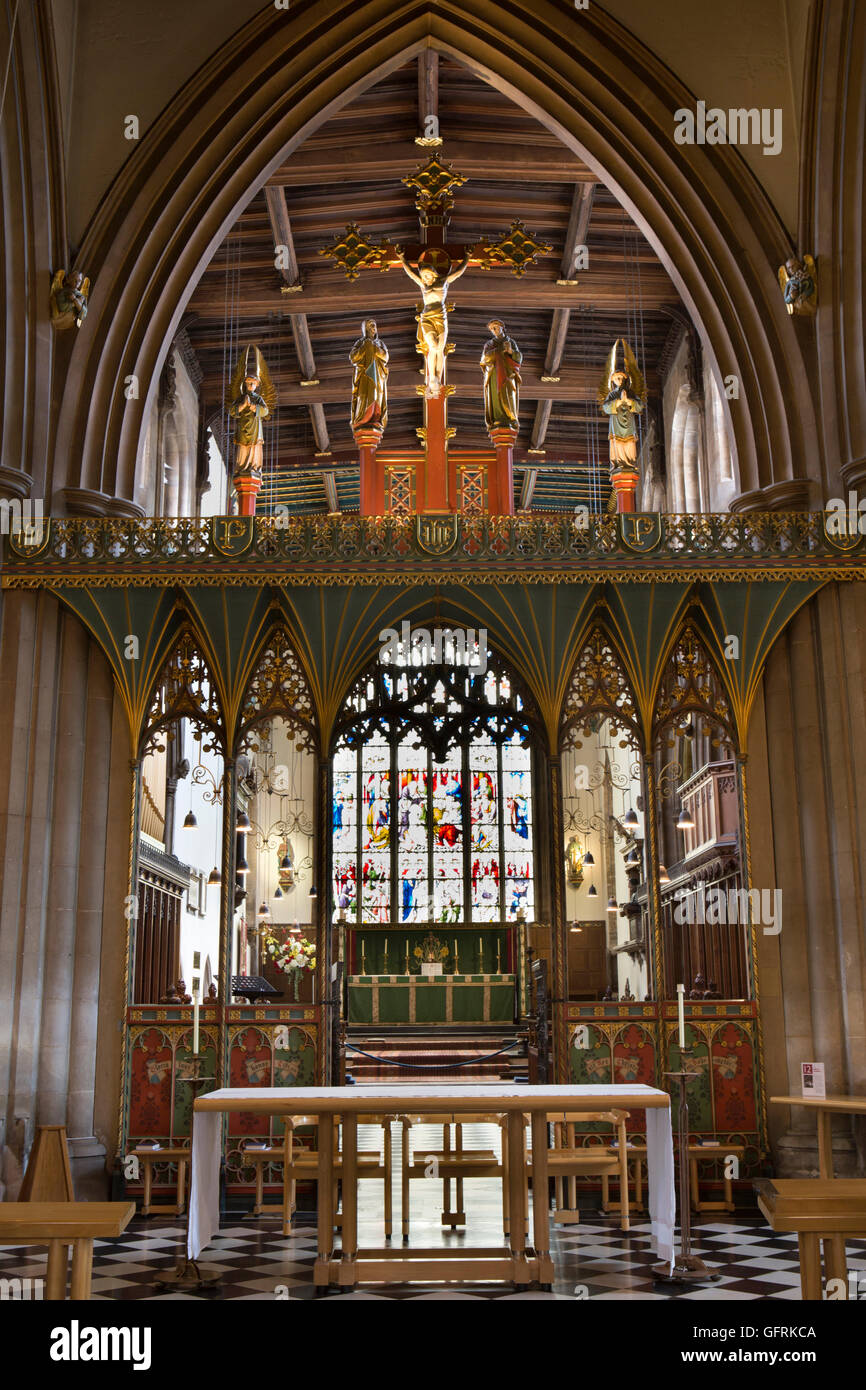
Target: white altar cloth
[(434, 1098)]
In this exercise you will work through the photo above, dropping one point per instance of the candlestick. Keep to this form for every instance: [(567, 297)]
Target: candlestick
[(385, 961), (407, 956), (498, 959), (681, 1014), (686, 1267), (456, 961), (195, 1032), (480, 955), (363, 958)]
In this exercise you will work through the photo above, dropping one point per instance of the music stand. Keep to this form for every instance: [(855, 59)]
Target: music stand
[(252, 988)]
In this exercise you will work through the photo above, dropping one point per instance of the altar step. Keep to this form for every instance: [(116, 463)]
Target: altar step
[(408, 1053)]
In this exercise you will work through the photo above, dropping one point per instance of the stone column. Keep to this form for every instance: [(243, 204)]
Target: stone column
[(807, 781), (61, 899), (29, 660), (90, 907), (558, 984)]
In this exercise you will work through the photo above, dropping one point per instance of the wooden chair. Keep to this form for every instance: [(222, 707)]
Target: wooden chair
[(816, 1209), (147, 1157), (454, 1161), (300, 1164), (569, 1160), (636, 1158), (259, 1156), (59, 1225), (703, 1152)]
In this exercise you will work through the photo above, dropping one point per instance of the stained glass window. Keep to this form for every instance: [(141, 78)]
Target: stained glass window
[(432, 799)]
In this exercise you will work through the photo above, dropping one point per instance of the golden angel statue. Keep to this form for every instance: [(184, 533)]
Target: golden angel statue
[(68, 299), (501, 361), (622, 396), (436, 271), (799, 283), (251, 398), (369, 357)]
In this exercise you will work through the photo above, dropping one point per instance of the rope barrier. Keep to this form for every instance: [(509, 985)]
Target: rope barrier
[(430, 1066)]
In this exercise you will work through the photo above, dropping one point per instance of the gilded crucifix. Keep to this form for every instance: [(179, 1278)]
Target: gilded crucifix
[(434, 263)]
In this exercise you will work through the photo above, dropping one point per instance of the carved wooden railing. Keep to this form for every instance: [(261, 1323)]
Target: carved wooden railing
[(296, 549)]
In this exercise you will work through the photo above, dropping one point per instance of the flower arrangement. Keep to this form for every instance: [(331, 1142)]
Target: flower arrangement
[(291, 954)]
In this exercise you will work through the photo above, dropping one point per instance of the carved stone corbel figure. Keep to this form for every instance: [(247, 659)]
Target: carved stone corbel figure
[(799, 282), (68, 299)]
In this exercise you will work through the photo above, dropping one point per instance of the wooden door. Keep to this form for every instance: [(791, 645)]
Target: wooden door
[(587, 960)]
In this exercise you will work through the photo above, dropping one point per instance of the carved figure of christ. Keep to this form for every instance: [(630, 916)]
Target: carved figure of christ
[(433, 319)]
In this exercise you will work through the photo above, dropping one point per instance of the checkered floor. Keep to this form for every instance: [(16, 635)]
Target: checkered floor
[(594, 1259)]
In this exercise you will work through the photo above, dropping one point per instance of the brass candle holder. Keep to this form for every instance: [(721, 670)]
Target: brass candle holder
[(187, 1273), (686, 1268)]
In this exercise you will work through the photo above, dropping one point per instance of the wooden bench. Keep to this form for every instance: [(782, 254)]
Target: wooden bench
[(147, 1156), (815, 1208), (59, 1225)]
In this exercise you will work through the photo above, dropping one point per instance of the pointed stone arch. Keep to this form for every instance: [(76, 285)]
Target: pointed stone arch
[(599, 689), (281, 75), (278, 689), (185, 689), (692, 685)]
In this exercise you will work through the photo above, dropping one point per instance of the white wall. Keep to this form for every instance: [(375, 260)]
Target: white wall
[(608, 852), (200, 848)]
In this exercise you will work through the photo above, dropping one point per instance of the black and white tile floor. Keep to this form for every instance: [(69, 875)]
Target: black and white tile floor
[(594, 1259)]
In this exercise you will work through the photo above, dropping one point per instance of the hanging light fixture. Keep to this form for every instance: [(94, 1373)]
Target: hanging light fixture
[(242, 824), (313, 893), (630, 820), (242, 868), (214, 876), (588, 859), (593, 891), (264, 912), (611, 905), (278, 892), (664, 876), (684, 820), (632, 861), (189, 821), (286, 864)]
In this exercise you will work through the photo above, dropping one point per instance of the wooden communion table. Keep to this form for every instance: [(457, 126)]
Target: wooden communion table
[(514, 1261)]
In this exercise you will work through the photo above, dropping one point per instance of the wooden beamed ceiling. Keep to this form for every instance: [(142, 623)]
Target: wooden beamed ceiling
[(350, 171)]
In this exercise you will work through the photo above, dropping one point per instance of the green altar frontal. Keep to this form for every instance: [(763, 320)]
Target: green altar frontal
[(431, 999)]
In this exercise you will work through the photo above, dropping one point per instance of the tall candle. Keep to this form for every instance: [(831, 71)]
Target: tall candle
[(195, 1038), (681, 1013)]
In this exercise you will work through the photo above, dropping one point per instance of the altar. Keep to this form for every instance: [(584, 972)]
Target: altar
[(431, 998)]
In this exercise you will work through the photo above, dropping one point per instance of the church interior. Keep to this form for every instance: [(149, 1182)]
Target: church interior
[(433, 498)]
